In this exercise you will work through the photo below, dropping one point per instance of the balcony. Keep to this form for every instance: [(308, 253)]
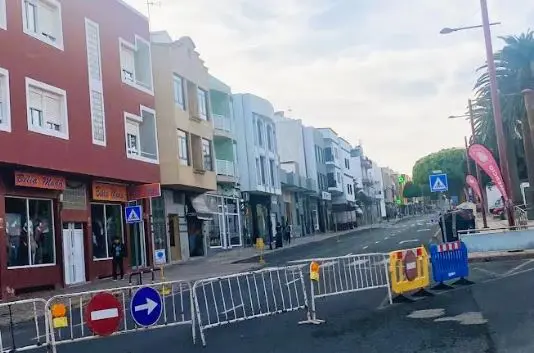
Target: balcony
[(222, 126), (226, 171)]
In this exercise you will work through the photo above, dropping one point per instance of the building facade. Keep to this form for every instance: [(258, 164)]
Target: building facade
[(315, 163), (185, 137), (73, 127), (258, 165), (226, 223)]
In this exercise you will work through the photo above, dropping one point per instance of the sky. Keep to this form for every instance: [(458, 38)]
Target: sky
[(376, 71)]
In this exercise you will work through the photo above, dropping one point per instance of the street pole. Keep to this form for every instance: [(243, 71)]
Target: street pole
[(479, 177), (467, 156), (497, 116)]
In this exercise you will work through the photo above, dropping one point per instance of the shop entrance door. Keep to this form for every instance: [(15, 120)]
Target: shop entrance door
[(174, 237), (73, 253), (137, 245)]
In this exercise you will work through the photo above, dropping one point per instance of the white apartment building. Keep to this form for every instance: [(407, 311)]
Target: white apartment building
[(258, 164)]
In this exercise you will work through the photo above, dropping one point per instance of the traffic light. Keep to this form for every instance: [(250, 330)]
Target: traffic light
[(402, 179)]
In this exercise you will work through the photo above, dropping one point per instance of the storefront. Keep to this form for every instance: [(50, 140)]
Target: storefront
[(225, 229)]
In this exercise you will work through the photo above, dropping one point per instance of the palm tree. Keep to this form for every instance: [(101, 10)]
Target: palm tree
[(514, 64)]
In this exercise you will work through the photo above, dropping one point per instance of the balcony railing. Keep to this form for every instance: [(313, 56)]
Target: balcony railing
[(226, 168), (222, 123)]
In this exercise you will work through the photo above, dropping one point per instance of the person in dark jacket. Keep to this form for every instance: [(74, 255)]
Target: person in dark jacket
[(279, 236), (118, 253)]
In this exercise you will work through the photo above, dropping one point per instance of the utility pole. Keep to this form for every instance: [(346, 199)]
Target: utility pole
[(149, 5), (479, 178)]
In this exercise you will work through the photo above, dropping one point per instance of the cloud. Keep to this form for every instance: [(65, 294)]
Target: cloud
[(372, 70)]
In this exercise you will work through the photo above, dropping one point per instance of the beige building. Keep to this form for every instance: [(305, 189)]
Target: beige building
[(185, 139)]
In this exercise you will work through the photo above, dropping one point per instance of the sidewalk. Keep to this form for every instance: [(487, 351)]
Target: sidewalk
[(218, 264)]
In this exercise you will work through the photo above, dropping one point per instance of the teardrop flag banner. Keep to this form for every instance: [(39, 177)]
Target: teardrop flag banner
[(484, 159), (473, 184)]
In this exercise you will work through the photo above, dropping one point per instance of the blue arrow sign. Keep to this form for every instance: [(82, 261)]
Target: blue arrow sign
[(133, 214), (438, 182), (146, 306)]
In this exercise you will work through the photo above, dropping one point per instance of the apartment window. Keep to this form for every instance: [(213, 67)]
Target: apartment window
[(178, 88), (321, 155), (202, 103), (42, 20), (260, 132), (270, 138), (3, 20), (183, 148), (336, 155), (47, 109), (5, 105), (30, 232), (331, 179), (107, 226), (258, 171), (262, 167), (136, 65), (349, 189), (329, 157), (206, 155), (140, 135), (96, 93), (338, 177), (272, 171), (347, 163)]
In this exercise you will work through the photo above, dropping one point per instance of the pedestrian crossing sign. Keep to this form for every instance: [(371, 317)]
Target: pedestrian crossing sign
[(438, 182), (133, 214)]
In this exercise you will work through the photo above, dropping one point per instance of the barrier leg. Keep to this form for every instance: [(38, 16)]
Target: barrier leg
[(463, 282), (401, 298), (311, 316), (441, 286), (422, 293)]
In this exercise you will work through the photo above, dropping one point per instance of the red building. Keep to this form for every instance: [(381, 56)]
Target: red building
[(77, 132)]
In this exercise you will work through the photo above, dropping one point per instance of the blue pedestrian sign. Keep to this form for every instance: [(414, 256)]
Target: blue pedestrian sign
[(146, 306), (438, 182), (133, 214)]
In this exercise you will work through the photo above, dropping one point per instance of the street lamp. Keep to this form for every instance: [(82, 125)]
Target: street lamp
[(497, 113), (448, 30)]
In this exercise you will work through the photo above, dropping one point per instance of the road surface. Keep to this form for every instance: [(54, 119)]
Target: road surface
[(494, 315)]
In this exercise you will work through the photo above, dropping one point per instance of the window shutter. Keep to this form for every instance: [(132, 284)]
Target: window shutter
[(47, 17), (94, 62), (128, 59), (97, 113), (36, 99), (93, 51), (52, 109)]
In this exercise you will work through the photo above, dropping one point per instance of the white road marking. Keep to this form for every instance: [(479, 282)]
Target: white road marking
[(377, 242), (469, 318), (427, 314), (386, 238), (408, 241), (424, 230), (518, 267), (488, 272), (365, 247)]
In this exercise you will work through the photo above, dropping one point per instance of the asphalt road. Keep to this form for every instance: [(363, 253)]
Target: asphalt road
[(493, 315)]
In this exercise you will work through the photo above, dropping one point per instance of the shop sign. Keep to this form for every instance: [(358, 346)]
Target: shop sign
[(144, 191), (109, 192), (326, 196), (40, 181)]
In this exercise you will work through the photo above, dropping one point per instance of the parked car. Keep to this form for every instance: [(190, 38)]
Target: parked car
[(498, 208)]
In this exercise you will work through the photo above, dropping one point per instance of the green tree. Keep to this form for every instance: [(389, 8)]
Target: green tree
[(450, 161), (514, 65), (411, 190)]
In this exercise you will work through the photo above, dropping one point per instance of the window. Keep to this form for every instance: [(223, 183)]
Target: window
[(329, 157), (47, 109), (270, 137), (260, 132), (42, 20), (96, 93), (349, 189), (347, 163), (336, 153), (106, 226), (183, 148), (202, 103), (3, 12), (178, 88), (206, 155), (317, 154), (258, 171), (338, 177), (331, 178), (140, 136), (262, 167), (321, 155), (272, 170), (30, 232), (136, 65), (5, 104)]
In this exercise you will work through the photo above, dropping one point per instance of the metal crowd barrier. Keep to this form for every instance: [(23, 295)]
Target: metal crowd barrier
[(23, 326), (248, 295), (176, 301), (346, 274)]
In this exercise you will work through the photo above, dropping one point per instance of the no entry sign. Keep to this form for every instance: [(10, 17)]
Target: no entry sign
[(103, 314), (410, 265)]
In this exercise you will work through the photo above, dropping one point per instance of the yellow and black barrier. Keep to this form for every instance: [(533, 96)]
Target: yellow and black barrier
[(409, 271)]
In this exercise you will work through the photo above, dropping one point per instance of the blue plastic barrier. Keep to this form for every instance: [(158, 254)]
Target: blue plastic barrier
[(449, 261)]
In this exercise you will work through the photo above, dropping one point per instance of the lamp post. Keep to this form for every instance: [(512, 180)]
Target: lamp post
[(497, 114)]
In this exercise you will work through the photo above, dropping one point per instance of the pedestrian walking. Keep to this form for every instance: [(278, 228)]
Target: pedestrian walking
[(279, 236), (287, 231), (118, 253)]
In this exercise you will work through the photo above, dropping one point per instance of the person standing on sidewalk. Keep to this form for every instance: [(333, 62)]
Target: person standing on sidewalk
[(118, 253)]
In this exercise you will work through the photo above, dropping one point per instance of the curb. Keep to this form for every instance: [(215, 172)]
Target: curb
[(502, 256), (268, 254)]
